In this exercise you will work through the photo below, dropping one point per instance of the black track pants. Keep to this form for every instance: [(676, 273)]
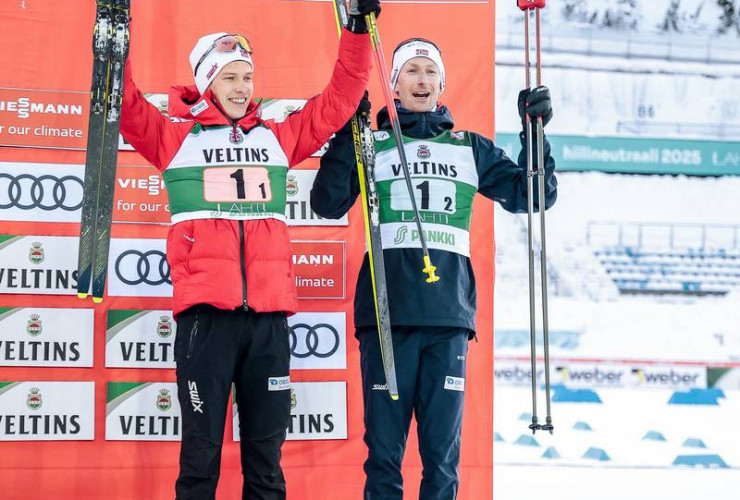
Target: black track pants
[(430, 369), (214, 348)]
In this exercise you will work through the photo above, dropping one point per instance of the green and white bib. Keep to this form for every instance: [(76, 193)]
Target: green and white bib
[(445, 181), (217, 174)]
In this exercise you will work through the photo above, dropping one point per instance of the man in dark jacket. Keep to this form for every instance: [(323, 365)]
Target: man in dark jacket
[(431, 323)]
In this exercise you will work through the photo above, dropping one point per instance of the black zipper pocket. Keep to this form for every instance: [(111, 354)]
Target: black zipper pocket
[(193, 335)]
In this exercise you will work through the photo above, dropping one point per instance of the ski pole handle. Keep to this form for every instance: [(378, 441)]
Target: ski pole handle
[(530, 4), (430, 270)]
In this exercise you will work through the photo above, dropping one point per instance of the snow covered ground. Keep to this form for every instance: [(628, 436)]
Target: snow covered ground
[(624, 447)]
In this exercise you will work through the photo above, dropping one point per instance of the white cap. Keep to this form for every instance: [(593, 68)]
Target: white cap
[(215, 61), (417, 47)]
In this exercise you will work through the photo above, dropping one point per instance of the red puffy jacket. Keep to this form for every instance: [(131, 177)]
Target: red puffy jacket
[(240, 263)]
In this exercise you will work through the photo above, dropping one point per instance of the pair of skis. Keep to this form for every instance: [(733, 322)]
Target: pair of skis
[(110, 50), (527, 6), (364, 145)]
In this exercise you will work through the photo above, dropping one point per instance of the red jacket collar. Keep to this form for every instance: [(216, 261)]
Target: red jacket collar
[(186, 102)]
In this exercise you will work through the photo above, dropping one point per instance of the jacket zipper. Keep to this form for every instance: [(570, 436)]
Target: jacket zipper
[(193, 335), (243, 263)]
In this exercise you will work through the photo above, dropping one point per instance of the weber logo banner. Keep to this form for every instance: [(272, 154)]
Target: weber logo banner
[(318, 340), (318, 411), (142, 411), (40, 192), (298, 202), (140, 339), (319, 268), (138, 268), (588, 375), (38, 265), (47, 411), (46, 337)]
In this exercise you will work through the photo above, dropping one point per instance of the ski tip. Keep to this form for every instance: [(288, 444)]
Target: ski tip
[(394, 397), (81, 295), (97, 300)]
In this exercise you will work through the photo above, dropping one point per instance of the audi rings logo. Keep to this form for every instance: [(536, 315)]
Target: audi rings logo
[(47, 192), (321, 340), (148, 267)]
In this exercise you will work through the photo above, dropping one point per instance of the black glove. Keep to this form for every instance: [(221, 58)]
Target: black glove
[(536, 102), (358, 9), (363, 109)]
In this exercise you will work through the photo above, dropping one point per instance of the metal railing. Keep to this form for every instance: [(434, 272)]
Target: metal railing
[(627, 44), (650, 235)]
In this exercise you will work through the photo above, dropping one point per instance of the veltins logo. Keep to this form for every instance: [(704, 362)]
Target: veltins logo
[(423, 152), (164, 327), (34, 327), (139, 339), (47, 411), (164, 400), (33, 400), (36, 253), (291, 185)]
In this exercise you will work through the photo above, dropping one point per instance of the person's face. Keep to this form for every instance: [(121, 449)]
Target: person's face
[(418, 84), (233, 88)]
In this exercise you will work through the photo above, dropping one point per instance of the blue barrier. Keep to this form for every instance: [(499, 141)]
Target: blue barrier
[(582, 426), (596, 454), (551, 452), (701, 461), (653, 436), (525, 440), (565, 395), (694, 443), (695, 397)]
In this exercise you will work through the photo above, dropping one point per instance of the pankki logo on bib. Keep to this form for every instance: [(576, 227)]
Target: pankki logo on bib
[(278, 383), (454, 383)]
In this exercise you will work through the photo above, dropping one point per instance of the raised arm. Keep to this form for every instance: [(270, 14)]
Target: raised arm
[(154, 136)]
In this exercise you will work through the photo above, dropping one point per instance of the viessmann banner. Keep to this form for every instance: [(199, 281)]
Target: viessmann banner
[(636, 156)]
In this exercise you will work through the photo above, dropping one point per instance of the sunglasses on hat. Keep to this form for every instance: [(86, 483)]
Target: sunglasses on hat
[(224, 44)]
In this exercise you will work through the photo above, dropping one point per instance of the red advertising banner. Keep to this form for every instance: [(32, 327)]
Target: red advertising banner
[(43, 118), (319, 269)]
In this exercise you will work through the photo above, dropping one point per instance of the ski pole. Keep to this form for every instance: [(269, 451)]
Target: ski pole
[(527, 6), (364, 145), (385, 83)]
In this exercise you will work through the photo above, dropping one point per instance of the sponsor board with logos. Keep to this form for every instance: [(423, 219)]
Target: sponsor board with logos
[(574, 374), (37, 336), (47, 411), (318, 411), (138, 268), (298, 201), (318, 340), (142, 411), (319, 269), (140, 339), (40, 192), (38, 265), (43, 118)]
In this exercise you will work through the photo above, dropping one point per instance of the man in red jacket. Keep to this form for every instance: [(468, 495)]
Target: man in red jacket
[(228, 246)]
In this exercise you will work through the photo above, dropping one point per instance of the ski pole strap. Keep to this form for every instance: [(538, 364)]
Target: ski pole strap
[(530, 4)]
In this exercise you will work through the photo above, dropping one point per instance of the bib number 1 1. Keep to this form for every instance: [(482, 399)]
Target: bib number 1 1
[(247, 184)]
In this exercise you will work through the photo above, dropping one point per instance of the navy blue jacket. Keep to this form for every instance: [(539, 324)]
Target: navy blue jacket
[(412, 301)]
